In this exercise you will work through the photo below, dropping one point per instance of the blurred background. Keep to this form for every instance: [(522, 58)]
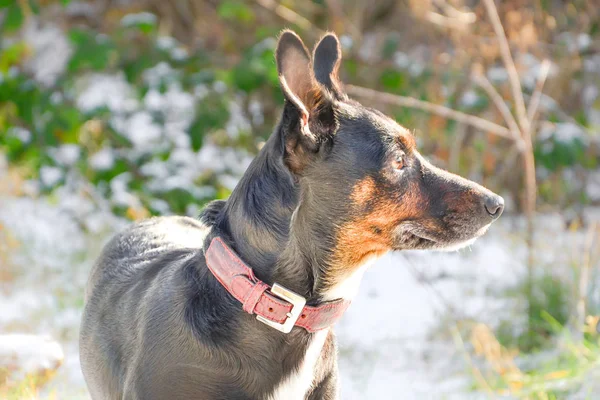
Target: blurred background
[(116, 110)]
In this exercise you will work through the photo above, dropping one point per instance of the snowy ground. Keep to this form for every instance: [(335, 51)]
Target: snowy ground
[(395, 339), (396, 336)]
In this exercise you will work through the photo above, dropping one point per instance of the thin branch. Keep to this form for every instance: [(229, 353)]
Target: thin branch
[(467, 17), (447, 22), (527, 154), (493, 94), (452, 17), (511, 69), (442, 111), (336, 10), (288, 14), (534, 102), (459, 342), (584, 277)]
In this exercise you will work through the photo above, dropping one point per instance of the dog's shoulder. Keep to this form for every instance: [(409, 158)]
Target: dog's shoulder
[(164, 232), (147, 245), (156, 234)]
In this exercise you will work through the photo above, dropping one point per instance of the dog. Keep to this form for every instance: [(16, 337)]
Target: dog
[(240, 303)]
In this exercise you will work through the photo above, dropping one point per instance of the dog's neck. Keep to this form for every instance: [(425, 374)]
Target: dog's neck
[(271, 233), (257, 215)]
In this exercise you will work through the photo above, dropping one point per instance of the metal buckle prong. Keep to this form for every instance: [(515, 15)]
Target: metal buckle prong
[(297, 302)]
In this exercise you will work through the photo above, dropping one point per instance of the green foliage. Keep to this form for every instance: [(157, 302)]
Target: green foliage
[(235, 66), (6, 3), (11, 55), (92, 51), (235, 11), (212, 114), (36, 121), (255, 70), (393, 80), (554, 154), (13, 18), (549, 305), (389, 47)]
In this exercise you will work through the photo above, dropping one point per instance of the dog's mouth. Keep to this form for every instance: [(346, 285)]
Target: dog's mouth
[(412, 241), (417, 238)]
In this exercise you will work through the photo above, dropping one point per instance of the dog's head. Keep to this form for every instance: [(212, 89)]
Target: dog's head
[(360, 173)]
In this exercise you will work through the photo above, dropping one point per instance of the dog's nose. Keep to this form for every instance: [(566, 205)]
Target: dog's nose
[(494, 205)]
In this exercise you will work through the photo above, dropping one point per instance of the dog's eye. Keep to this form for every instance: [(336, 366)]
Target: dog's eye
[(399, 162)]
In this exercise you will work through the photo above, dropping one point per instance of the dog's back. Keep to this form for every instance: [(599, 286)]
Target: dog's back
[(127, 254), (139, 283)]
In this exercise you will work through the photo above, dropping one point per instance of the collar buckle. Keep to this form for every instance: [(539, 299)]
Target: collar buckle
[(297, 302)]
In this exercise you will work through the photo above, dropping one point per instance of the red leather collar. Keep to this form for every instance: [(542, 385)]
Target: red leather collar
[(277, 307)]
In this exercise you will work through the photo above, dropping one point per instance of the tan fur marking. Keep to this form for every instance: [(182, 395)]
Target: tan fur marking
[(408, 140), (371, 234), (363, 191)]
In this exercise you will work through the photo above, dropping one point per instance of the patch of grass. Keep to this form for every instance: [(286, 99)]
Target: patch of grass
[(561, 372), (26, 389), (549, 301), (542, 351), (7, 245)]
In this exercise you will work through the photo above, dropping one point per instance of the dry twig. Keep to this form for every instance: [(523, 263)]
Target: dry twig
[(498, 101), (480, 123), (511, 69), (584, 278), (534, 102), (288, 14)]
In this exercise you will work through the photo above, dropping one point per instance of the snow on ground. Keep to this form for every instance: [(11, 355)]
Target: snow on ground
[(51, 245), (51, 51), (394, 338)]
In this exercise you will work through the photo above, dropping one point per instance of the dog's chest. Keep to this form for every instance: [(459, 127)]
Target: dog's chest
[(299, 382)]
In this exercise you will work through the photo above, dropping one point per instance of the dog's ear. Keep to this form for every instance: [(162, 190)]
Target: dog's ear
[(293, 65), (309, 119), (326, 63)]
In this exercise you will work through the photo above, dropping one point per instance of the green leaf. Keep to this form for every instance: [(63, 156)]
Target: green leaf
[(7, 3), (91, 51), (196, 133), (235, 11), (211, 114), (13, 19), (146, 22), (8, 112), (389, 47), (34, 6), (12, 147), (392, 80), (135, 67), (12, 55), (249, 75), (178, 199), (351, 68), (66, 124), (119, 167)]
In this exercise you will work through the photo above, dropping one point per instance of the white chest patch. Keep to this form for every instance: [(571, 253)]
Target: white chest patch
[(298, 383), (347, 289)]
